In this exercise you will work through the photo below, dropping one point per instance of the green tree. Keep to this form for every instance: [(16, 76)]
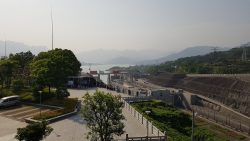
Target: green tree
[(23, 60), (52, 68), (34, 132), (7, 68), (103, 114)]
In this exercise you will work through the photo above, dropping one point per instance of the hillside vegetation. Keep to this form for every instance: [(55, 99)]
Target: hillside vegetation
[(217, 62)]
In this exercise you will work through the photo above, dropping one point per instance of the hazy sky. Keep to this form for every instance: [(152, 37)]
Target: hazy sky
[(83, 25)]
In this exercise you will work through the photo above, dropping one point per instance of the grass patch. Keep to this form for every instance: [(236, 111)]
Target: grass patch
[(68, 105), (177, 124)]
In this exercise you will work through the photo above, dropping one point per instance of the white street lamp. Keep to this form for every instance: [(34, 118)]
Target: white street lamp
[(40, 92), (147, 112)]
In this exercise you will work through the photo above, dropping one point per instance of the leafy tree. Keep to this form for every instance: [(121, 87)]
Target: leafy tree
[(103, 113), (52, 68), (23, 60), (34, 132), (7, 68)]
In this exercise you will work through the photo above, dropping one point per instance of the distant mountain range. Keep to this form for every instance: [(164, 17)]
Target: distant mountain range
[(16, 47), (103, 56), (146, 57), (188, 52)]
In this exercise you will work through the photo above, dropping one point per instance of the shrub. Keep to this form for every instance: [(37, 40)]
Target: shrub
[(61, 93)]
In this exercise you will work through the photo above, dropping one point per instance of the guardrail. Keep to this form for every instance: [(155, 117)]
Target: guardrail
[(150, 138), (219, 75), (144, 121), (137, 98)]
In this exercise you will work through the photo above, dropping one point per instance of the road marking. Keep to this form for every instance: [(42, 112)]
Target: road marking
[(23, 112), (5, 112), (32, 114)]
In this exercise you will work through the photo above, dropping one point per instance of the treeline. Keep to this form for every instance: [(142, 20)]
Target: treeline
[(219, 62), (47, 69)]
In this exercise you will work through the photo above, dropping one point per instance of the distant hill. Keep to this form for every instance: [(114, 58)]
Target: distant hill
[(106, 56), (16, 47), (121, 60), (219, 62), (188, 52)]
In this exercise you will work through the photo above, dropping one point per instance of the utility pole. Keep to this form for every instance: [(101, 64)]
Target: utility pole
[(5, 49), (192, 137), (244, 54), (52, 30), (214, 49)]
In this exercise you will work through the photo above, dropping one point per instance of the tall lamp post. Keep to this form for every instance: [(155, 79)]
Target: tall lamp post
[(147, 112), (40, 92), (193, 120)]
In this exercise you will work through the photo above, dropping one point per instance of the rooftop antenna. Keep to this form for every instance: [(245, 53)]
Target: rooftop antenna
[(52, 30)]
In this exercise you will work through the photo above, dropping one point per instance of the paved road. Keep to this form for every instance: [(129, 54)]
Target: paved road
[(8, 128), (132, 126), (21, 112), (72, 128)]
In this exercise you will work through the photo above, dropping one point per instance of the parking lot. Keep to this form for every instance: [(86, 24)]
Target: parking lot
[(21, 112)]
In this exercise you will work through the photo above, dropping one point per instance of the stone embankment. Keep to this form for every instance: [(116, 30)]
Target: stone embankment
[(231, 91)]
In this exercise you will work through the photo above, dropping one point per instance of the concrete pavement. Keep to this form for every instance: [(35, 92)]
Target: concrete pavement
[(8, 128), (133, 127), (72, 128)]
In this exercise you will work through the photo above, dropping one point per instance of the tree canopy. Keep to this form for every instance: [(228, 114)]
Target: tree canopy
[(52, 68), (103, 114), (7, 68), (34, 131)]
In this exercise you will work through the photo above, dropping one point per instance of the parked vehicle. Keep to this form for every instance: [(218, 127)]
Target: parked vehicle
[(9, 101)]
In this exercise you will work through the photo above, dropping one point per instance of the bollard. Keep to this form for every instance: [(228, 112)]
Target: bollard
[(152, 127), (214, 117), (249, 129), (240, 126), (141, 119)]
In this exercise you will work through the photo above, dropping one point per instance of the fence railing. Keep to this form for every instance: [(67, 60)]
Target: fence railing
[(225, 120), (144, 121), (137, 98), (150, 138), (219, 75)]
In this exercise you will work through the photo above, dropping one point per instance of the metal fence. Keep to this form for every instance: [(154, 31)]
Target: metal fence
[(223, 119), (145, 122), (150, 138)]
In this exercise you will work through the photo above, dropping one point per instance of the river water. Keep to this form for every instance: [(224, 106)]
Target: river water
[(87, 68)]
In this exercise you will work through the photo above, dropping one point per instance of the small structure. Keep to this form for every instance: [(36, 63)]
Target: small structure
[(84, 80)]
